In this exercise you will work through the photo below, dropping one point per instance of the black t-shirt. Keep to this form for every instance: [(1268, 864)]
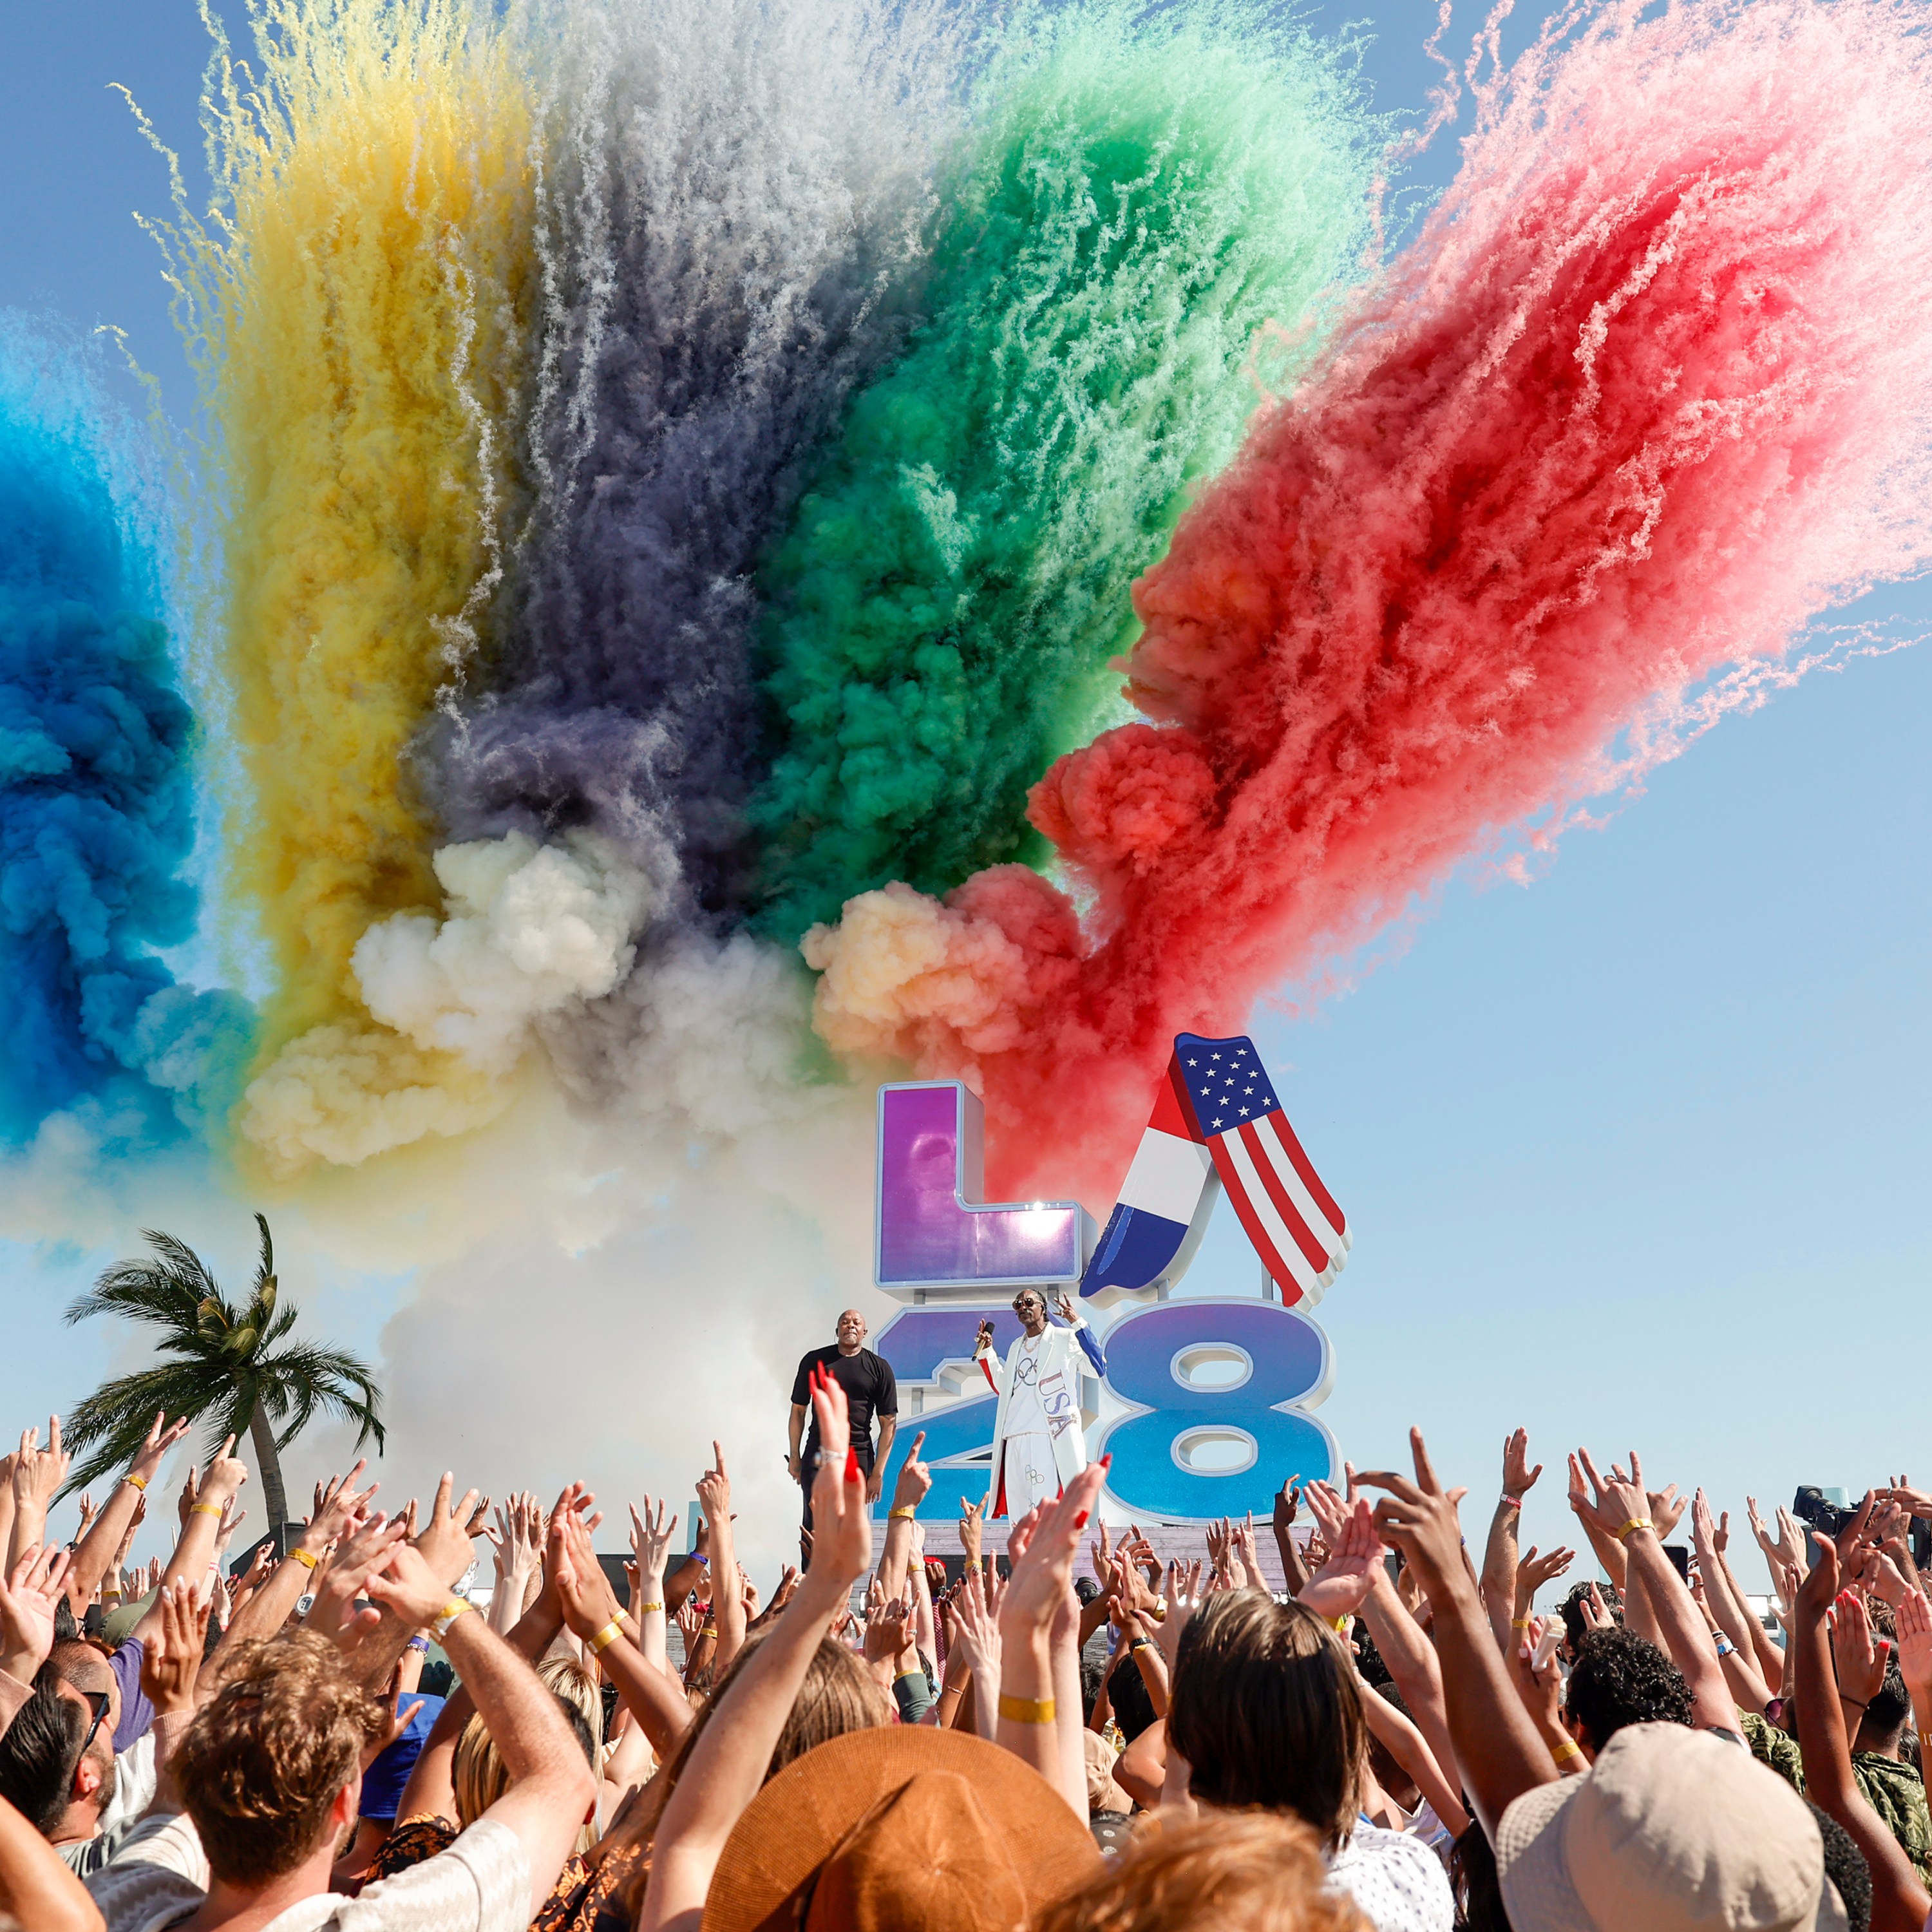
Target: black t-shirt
[(867, 1380)]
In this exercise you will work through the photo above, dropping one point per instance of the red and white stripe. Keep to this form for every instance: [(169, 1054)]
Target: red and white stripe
[(1300, 1234)]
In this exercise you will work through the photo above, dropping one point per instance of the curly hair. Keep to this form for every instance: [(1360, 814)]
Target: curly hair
[(1251, 1871), (1571, 1610), (1619, 1679), (267, 1755)]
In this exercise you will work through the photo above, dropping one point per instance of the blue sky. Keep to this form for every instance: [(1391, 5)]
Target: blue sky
[(1636, 1154)]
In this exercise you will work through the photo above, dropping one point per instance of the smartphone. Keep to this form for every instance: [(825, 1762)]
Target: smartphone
[(1679, 1554), (1546, 1645)]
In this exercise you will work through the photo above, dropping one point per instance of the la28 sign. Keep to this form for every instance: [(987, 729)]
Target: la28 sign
[(1205, 1407)]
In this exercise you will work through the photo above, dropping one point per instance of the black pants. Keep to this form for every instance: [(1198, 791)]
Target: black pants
[(809, 1468)]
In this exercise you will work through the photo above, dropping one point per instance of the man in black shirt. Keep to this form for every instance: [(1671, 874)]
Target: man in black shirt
[(870, 1390)]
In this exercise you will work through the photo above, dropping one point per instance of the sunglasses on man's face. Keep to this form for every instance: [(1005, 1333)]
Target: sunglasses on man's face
[(97, 1701)]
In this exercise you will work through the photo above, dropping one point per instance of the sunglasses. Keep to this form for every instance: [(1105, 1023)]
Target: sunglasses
[(97, 1701)]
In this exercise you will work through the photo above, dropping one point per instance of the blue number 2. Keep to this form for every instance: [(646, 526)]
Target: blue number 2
[(1222, 1447)]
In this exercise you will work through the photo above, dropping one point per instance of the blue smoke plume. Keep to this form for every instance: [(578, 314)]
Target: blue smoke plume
[(96, 806)]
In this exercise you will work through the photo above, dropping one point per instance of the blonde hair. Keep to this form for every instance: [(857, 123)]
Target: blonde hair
[(1240, 1871), (480, 1775)]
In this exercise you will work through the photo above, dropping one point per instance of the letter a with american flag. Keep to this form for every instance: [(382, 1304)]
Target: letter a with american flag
[(1216, 1118)]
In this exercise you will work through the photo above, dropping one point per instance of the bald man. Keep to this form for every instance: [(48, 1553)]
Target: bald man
[(870, 1390)]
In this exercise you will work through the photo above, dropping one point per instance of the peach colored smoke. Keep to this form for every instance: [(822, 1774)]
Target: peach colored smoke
[(1650, 388)]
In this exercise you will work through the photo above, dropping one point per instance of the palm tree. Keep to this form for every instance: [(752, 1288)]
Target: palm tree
[(227, 1367)]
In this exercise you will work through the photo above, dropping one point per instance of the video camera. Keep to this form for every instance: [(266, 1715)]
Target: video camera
[(1812, 1506)]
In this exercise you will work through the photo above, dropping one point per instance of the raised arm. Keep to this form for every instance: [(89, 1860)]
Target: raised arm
[(38, 1473), (1621, 1509), (1900, 1903), (552, 1785), (909, 1491), (1497, 1750), (1499, 1553), (37, 1889), (97, 1550), (728, 1760), (1287, 1499)]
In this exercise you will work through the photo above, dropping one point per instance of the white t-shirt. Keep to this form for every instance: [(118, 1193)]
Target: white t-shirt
[(1398, 1882), (481, 1884), (1026, 1415)]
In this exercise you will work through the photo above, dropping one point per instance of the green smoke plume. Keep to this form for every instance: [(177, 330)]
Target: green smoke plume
[(1139, 200)]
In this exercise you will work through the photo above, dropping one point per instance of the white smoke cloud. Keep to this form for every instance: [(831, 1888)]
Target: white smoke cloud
[(530, 930)]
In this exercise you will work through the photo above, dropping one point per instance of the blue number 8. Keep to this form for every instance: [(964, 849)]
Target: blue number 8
[(1149, 1357)]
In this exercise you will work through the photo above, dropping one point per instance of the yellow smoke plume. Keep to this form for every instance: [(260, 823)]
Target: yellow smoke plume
[(352, 302)]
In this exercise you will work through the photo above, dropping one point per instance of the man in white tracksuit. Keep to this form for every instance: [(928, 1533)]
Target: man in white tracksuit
[(1038, 1448)]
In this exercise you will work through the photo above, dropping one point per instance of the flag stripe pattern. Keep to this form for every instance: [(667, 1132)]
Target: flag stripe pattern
[(1300, 1233), (1162, 1200)]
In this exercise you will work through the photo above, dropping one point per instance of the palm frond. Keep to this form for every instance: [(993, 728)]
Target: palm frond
[(331, 1379), (104, 1431)]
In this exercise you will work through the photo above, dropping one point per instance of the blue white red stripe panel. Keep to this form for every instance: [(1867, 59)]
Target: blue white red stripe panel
[(1164, 1200)]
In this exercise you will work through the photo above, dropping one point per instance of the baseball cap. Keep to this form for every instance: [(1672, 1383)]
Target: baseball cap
[(1673, 1830)]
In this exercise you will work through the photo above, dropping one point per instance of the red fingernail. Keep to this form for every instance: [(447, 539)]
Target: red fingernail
[(1107, 1460), (851, 1466), (1080, 1521)]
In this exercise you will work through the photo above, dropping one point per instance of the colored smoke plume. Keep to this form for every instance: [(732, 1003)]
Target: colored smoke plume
[(97, 813), (351, 303), (731, 200), (1140, 197), (1650, 389)]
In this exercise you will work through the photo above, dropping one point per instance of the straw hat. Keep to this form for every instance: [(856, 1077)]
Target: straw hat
[(899, 1826), (1673, 1830)]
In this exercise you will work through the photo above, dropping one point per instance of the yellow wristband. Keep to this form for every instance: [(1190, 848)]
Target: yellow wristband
[(1518, 1623), (905, 1510), (455, 1608), (305, 1559), (1338, 1625), (1026, 1710), (135, 1480), (1566, 1750), (1636, 1522), (608, 1635), (206, 1509), (646, 1610)]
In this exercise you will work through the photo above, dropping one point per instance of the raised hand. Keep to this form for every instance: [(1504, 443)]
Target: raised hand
[(972, 1530), (38, 1473), (842, 1545), (1286, 1499), (1619, 1500), (888, 1630), (358, 1556), (339, 1506), (1535, 1570), (1418, 1517), (1184, 1598), (1917, 1502), (27, 1603), (87, 1513), (1342, 1585), (221, 1481), (1596, 1613), (714, 1489), (1246, 1551), (915, 1477), (1860, 1657), (171, 1658), (1914, 1645), (590, 1605), (1043, 1569), (1062, 1306), (411, 1584), (161, 1437), (1325, 1504), (650, 1541), (443, 1542), (1518, 1476), (976, 1621), (984, 1339)]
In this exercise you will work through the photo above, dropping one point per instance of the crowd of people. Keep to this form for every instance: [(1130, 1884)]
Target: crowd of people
[(1059, 1734)]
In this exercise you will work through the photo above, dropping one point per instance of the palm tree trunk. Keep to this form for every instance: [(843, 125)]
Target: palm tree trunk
[(273, 1497)]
